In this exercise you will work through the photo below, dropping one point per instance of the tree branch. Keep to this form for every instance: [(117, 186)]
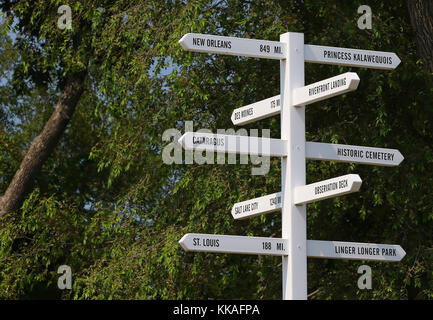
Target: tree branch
[(43, 145)]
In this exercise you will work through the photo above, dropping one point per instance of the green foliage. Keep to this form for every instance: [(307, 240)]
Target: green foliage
[(106, 204)]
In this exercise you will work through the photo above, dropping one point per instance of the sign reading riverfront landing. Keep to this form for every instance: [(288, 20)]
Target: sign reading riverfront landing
[(325, 89)]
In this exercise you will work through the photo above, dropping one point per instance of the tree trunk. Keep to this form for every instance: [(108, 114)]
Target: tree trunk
[(421, 16), (42, 145)]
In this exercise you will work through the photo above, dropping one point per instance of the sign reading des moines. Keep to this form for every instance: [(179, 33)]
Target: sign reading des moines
[(293, 150)]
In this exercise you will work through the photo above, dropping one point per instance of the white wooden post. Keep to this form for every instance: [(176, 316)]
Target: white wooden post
[(293, 169)]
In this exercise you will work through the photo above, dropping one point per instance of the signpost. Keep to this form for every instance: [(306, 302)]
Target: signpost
[(257, 206), (325, 89), (355, 154), (354, 251), (257, 111), (216, 243), (327, 189), (233, 244), (351, 57), (233, 144), (293, 246), (233, 46)]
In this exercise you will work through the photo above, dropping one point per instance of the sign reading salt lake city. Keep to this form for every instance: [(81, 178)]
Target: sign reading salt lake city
[(253, 207), (293, 247)]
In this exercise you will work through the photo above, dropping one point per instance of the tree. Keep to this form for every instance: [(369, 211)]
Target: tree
[(104, 202), (421, 16)]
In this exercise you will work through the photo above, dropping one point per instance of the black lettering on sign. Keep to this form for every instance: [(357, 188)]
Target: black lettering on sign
[(275, 201), (211, 243), (265, 48), (343, 184), (344, 249), (280, 246), (196, 242), (389, 252), (277, 49), (198, 41), (337, 55), (267, 246), (368, 251), (325, 188)]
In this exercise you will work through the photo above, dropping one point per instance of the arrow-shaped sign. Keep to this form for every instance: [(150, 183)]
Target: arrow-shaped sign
[(356, 154), (253, 207), (325, 89), (216, 243), (233, 46), (351, 57), (234, 144), (327, 189), (233, 244), (354, 251), (257, 111)]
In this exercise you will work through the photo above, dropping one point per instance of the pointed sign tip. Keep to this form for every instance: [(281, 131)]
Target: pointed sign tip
[(182, 242), (400, 157), (398, 61), (182, 41), (354, 81), (181, 140)]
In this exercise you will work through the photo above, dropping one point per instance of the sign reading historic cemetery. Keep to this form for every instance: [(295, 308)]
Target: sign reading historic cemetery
[(293, 150)]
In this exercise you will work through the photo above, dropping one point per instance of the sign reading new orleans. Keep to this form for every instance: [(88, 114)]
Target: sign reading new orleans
[(233, 46)]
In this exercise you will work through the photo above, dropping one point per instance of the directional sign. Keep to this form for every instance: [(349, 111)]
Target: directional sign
[(327, 189), (257, 206), (356, 154), (326, 89), (257, 111), (233, 46), (234, 144), (354, 251), (351, 57), (233, 244)]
